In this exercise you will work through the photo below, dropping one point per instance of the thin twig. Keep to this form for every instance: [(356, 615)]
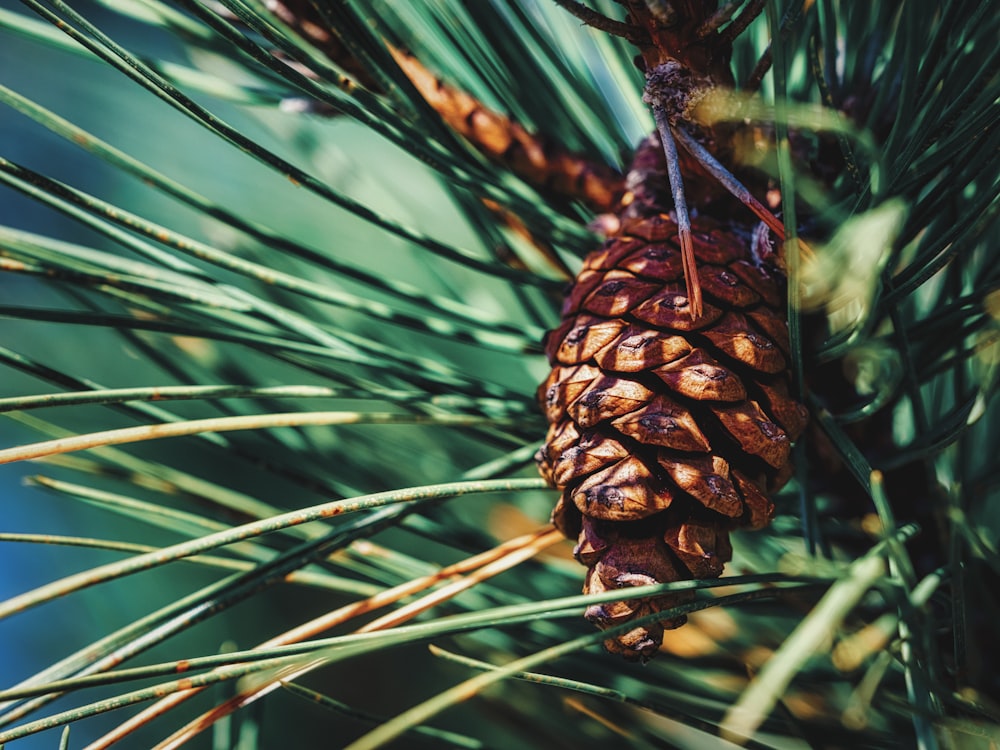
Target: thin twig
[(601, 22), (742, 21), (819, 75), (763, 65), (759, 71)]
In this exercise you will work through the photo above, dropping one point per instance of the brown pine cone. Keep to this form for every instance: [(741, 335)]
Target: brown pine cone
[(665, 431)]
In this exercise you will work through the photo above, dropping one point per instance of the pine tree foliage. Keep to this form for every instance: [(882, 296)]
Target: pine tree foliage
[(272, 333)]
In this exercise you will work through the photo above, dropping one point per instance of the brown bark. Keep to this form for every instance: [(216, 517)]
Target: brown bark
[(533, 157)]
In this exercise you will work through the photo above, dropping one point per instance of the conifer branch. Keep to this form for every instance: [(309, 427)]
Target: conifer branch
[(532, 156)]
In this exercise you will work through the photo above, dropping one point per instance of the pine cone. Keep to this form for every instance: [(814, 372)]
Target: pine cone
[(666, 432)]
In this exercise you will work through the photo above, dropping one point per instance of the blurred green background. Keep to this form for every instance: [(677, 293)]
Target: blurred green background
[(934, 345)]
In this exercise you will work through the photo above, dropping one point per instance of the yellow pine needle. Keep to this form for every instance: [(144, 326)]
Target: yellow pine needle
[(221, 424), (577, 705), (481, 567)]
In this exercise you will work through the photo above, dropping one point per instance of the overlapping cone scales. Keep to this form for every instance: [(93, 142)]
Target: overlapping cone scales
[(666, 431)]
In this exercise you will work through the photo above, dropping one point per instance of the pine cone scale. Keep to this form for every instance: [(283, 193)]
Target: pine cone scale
[(637, 349), (665, 423)]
